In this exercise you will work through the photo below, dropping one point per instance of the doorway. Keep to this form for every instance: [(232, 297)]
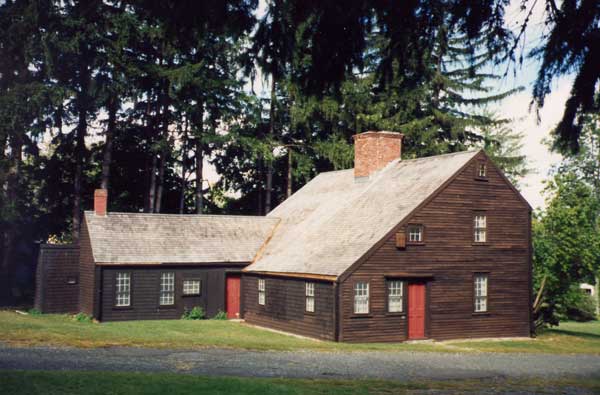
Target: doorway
[(232, 296), (416, 311)]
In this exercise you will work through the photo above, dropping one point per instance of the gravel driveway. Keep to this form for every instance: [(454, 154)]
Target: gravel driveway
[(381, 365)]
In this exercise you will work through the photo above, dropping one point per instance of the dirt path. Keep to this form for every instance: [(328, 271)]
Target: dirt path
[(343, 365)]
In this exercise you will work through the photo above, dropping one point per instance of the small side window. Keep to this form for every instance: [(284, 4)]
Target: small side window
[(481, 170), (415, 234), (191, 287), (361, 298), (395, 296), (261, 291), (310, 297), (123, 289), (479, 228)]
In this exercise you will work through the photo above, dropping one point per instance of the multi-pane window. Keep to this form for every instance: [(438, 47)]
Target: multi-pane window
[(415, 233), (481, 292), (310, 297), (479, 228), (395, 294), (482, 170), (191, 287), (167, 289), (361, 298), (261, 291), (123, 289)]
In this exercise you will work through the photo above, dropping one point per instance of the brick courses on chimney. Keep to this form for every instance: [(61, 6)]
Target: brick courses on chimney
[(100, 200), (374, 150)]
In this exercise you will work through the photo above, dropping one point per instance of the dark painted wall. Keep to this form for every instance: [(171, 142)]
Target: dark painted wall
[(449, 254), (57, 279), (285, 306), (145, 286)]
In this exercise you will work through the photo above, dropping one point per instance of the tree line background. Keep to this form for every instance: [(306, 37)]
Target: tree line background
[(136, 96)]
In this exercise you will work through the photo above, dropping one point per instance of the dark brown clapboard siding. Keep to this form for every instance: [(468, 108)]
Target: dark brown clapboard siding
[(286, 304), (58, 266), (145, 285), (449, 254), (87, 273)]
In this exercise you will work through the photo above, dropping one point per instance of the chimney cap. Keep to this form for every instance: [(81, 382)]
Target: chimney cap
[(383, 133)]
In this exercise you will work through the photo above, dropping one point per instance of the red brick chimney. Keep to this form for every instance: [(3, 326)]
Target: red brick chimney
[(374, 150), (100, 199)]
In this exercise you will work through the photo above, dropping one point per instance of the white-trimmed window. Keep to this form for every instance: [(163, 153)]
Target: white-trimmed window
[(261, 291), (482, 170), (191, 287), (361, 298), (415, 233), (395, 296), (310, 297), (481, 292), (123, 289), (480, 228), (167, 289)]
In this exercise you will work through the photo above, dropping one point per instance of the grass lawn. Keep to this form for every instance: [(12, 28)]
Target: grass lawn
[(49, 383), (25, 330)]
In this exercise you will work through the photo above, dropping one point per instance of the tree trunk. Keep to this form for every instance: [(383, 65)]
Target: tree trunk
[(12, 192), (199, 158), (260, 169), (184, 154), (152, 187), (164, 152), (112, 107), (288, 191), (269, 178), (81, 130)]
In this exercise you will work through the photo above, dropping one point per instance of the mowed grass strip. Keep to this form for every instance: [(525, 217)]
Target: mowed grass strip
[(50, 383), (63, 330)]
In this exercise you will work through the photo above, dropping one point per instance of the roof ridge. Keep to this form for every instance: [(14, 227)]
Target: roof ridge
[(233, 216)]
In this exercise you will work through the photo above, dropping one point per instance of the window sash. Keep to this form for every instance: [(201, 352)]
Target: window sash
[(361, 298), (261, 291), (123, 289), (310, 297), (481, 293), (191, 287), (480, 228), (167, 289), (415, 234), (482, 170), (395, 296)]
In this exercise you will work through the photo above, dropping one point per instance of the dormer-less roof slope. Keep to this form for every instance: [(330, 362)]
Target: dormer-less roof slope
[(136, 238), (334, 219)]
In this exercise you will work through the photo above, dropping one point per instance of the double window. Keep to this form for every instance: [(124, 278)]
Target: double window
[(261, 291), (361, 298), (395, 296), (310, 297), (479, 228), (481, 292), (123, 289), (167, 289)]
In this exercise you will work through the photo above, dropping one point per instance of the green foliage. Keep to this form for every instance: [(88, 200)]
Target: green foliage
[(34, 312), (84, 318), (196, 313), (221, 315), (566, 243), (579, 306)]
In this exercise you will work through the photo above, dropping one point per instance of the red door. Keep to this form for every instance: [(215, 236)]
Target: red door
[(233, 296), (416, 311)]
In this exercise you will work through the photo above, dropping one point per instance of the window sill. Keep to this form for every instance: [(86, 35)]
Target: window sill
[(483, 244), (167, 307), (481, 314), (309, 313), (122, 308), (415, 243), (190, 295), (395, 314), (366, 315), (481, 179)]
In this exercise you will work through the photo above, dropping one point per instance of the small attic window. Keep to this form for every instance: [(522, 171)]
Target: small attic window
[(415, 234), (481, 170)]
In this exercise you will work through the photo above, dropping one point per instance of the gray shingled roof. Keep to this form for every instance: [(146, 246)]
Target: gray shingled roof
[(334, 219), (137, 238)]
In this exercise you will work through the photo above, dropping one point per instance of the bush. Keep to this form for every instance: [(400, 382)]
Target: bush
[(580, 307), (221, 315), (34, 312), (82, 317), (197, 313)]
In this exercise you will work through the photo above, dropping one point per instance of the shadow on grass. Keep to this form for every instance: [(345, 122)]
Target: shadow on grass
[(582, 335)]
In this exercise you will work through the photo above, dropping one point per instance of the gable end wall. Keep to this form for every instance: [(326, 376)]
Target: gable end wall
[(449, 254)]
